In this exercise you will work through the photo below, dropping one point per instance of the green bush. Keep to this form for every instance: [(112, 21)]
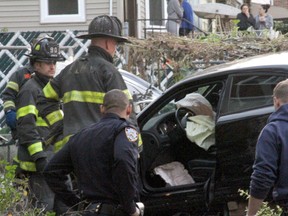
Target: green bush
[(14, 194), (266, 209), (281, 26), (11, 190)]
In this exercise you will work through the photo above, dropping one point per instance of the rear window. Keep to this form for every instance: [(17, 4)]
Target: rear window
[(249, 92)]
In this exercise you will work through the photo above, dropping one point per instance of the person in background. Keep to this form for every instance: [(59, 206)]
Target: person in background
[(270, 166), (9, 96), (187, 21), (246, 19), (32, 151), (263, 20), (104, 158), (175, 14), (82, 85)]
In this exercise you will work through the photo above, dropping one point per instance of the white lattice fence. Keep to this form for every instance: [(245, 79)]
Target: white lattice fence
[(14, 46)]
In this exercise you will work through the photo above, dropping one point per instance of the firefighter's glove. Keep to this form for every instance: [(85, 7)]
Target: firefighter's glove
[(11, 119), (41, 160), (41, 164)]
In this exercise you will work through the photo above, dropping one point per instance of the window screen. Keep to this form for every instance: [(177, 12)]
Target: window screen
[(57, 7), (156, 12)]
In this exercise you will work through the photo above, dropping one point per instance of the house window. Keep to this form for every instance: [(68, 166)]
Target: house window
[(55, 11), (156, 12)]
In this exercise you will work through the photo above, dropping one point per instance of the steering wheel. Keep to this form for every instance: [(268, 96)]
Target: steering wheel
[(181, 116)]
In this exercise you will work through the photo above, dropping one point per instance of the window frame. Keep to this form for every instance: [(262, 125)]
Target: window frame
[(148, 25), (68, 18)]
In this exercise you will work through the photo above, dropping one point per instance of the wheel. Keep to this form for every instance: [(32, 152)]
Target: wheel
[(181, 116)]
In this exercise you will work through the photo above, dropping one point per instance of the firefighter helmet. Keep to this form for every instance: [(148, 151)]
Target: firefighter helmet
[(45, 49), (105, 26)]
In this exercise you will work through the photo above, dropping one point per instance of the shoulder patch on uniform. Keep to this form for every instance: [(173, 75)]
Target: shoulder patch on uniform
[(27, 75), (131, 134)]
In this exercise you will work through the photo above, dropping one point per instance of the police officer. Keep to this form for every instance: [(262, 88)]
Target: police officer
[(103, 157), (82, 85), (33, 154)]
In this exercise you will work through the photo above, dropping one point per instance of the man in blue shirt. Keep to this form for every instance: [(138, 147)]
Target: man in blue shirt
[(187, 20), (270, 166)]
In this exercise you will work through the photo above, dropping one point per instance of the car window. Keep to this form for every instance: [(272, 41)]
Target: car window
[(249, 92)]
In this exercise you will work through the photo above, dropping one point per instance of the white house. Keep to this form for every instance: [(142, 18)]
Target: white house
[(47, 15), (55, 15)]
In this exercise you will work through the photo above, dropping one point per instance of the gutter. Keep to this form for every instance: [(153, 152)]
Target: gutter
[(110, 7)]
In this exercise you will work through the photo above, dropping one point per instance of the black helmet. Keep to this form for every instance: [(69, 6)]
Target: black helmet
[(105, 26), (45, 49)]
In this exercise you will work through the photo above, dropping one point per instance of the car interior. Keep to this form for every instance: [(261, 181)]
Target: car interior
[(179, 139), (172, 155)]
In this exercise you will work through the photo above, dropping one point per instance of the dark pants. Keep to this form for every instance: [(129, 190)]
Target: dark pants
[(184, 31), (40, 193), (284, 206), (94, 209), (284, 212), (42, 196), (59, 207)]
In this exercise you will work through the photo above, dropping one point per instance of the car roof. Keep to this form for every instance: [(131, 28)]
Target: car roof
[(133, 78), (261, 61), (138, 82)]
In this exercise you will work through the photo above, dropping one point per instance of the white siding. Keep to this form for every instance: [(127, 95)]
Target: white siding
[(24, 15)]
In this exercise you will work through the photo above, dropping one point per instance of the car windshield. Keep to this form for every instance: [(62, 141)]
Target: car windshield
[(209, 91), (172, 105)]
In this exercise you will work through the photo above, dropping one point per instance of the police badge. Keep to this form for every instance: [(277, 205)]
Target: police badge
[(131, 134)]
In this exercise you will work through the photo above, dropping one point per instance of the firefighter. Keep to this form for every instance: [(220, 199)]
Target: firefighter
[(17, 80), (82, 84), (33, 154), (104, 158)]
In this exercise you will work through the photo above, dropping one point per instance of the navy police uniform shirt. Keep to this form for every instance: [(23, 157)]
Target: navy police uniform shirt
[(104, 158)]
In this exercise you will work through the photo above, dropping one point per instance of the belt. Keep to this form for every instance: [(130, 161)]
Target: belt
[(103, 208)]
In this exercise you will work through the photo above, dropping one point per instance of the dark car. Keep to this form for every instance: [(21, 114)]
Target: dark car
[(142, 92), (240, 95)]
